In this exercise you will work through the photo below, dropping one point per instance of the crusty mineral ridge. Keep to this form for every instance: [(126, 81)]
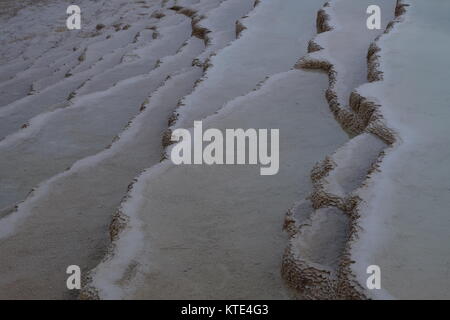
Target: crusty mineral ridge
[(308, 277)]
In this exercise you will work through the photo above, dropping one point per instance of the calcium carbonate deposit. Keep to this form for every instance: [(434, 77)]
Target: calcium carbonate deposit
[(347, 100)]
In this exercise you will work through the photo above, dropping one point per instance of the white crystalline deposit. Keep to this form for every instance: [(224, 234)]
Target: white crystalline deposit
[(276, 37), (341, 50), (38, 50), (55, 140), (77, 204), (405, 219), (101, 76), (73, 208), (201, 231), (83, 113), (346, 45), (216, 231), (219, 25), (312, 263), (99, 110)]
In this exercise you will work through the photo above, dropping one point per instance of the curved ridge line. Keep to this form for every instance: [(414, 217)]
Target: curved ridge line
[(15, 207), (173, 119), (29, 128), (18, 134), (122, 220), (345, 286), (347, 280), (36, 60)]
